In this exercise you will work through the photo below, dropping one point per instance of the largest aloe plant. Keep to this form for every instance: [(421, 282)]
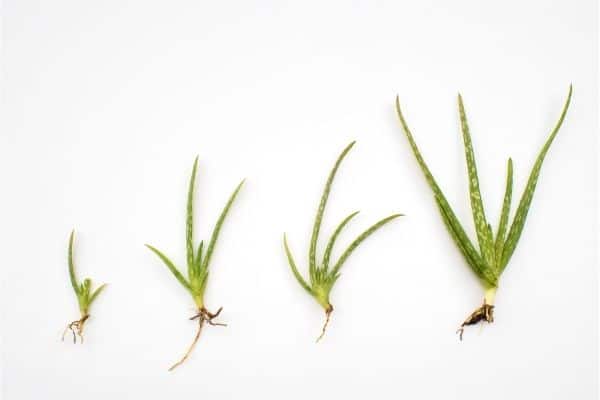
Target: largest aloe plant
[(495, 250)]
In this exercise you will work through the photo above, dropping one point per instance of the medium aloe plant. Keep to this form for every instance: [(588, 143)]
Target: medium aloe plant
[(84, 294), (495, 251), (324, 274), (197, 263)]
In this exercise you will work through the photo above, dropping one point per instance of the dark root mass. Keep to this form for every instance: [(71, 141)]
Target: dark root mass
[(483, 313)]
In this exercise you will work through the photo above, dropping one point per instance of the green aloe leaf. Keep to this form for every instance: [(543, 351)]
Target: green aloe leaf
[(484, 234), (312, 256), (334, 237), (72, 265), (171, 266), (96, 293), (359, 240), (292, 263), (499, 245), (521, 214), (198, 259), (189, 232), (218, 225), (465, 245), (466, 248)]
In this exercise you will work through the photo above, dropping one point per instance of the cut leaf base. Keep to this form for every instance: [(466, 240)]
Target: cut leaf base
[(203, 316), (483, 313), (76, 328)]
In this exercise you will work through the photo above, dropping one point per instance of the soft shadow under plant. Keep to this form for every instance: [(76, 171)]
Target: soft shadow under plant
[(496, 250), (84, 294), (323, 273), (197, 264)]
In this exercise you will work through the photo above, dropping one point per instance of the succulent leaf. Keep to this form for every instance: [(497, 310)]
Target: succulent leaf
[(499, 245), (189, 231), (521, 214), (171, 267), (198, 259), (312, 256), (484, 234), (96, 293), (72, 276), (292, 263), (358, 241), (334, 237), (466, 247), (455, 228), (217, 228)]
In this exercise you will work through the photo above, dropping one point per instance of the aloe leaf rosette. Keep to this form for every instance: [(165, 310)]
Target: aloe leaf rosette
[(323, 271), (198, 262), (84, 293), (495, 249)]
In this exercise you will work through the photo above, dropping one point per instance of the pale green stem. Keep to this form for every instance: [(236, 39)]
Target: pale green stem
[(490, 295)]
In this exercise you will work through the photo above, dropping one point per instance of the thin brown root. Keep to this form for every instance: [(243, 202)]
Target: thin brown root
[(208, 316), (189, 351), (483, 313), (328, 312), (203, 316), (76, 328)]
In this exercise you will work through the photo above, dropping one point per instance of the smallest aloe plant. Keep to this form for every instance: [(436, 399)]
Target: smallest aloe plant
[(85, 297), (325, 274), (197, 263)]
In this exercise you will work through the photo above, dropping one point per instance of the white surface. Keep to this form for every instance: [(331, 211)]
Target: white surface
[(107, 103)]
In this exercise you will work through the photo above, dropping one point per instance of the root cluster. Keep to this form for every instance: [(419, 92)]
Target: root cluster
[(483, 313), (203, 316), (76, 328)]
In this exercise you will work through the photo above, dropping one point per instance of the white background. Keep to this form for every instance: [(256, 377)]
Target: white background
[(106, 104)]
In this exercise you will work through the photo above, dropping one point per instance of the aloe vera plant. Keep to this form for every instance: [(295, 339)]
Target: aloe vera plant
[(324, 274), (495, 251), (85, 297), (198, 263)]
